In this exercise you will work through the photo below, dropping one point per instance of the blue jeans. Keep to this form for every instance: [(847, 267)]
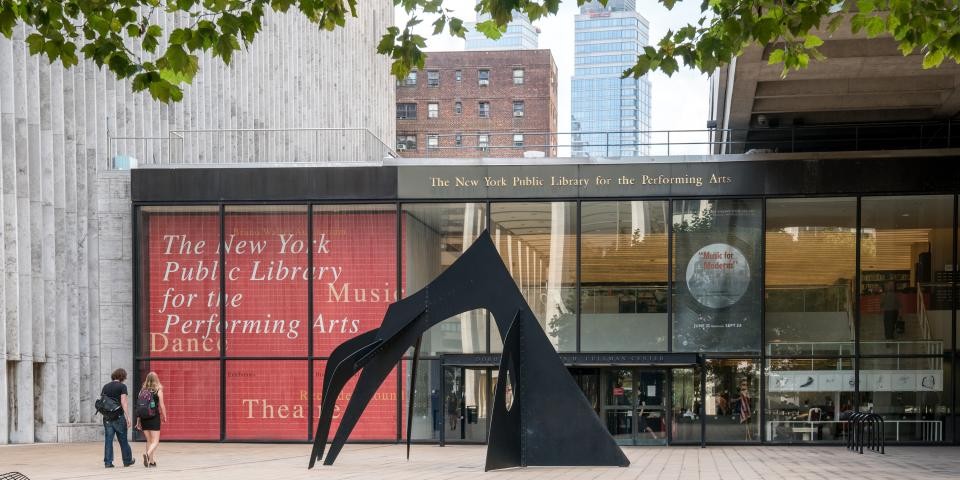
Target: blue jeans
[(116, 428)]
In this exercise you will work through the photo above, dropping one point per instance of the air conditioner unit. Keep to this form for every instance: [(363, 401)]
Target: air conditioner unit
[(484, 83), (401, 147), (518, 113)]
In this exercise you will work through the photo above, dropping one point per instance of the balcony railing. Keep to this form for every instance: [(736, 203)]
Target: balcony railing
[(327, 146), (359, 146)]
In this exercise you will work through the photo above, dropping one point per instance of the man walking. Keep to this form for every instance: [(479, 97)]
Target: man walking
[(118, 424)]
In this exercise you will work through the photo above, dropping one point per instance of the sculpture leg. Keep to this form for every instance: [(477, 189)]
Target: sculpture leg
[(413, 383), (339, 369)]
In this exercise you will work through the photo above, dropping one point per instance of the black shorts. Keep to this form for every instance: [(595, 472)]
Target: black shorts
[(152, 423)]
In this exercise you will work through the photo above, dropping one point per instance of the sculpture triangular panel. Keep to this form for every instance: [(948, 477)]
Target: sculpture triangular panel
[(540, 415)]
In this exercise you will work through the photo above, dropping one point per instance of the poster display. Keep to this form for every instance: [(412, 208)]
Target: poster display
[(716, 300), (266, 275), (843, 381)]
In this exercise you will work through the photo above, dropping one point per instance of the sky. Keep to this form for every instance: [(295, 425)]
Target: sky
[(679, 102)]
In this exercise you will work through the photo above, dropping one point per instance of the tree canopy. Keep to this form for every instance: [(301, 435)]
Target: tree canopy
[(123, 35)]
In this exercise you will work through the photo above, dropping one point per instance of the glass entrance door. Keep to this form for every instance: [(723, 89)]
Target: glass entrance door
[(634, 405), (468, 393)]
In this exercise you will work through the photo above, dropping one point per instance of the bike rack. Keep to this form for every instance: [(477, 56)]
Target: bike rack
[(865, 429)]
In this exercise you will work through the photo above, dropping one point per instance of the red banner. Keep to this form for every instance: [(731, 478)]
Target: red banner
[(266, 275), (191, 394)]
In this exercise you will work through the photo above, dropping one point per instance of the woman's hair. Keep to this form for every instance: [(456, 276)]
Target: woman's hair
[(152, 382), (119, 374)]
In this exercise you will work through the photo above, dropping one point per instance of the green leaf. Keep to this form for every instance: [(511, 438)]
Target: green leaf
[(812, 41), (875, 26), (933, 59), (35, 43), (7, 19), (154, 31), (180, 36), (776, 56), (177, 58), (865, 6), (149, 43), (490, 29)]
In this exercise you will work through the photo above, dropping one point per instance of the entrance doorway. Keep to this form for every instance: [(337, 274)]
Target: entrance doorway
[(634, 406), (468, 398)]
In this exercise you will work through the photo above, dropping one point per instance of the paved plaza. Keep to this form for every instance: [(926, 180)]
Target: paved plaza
[(386, 462)]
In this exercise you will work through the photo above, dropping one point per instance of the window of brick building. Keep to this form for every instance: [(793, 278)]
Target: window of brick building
[(407, 110), (518, 108), (458, 140), (483, 141), (433, 140), (483, 78), (518, 76), (458, 75), (458, 108), (517, 139), (411, 79), (433, 78), (433, 110), (406, 142), (484, 109)]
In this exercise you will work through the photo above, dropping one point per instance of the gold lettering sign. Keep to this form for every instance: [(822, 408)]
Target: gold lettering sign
[(565, 181)]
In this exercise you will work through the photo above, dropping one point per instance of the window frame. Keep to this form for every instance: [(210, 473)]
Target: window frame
[(431, 80), (433, 110), (483, 77), (407, 111), (521, 77), (481, 111)]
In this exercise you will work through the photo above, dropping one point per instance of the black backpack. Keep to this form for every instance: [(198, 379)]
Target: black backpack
[(108, 407), (146, 405)]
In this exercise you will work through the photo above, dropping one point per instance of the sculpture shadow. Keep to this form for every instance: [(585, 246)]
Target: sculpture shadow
[(540, 416)]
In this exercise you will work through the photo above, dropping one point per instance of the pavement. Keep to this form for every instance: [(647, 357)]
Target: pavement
[(427, 462)]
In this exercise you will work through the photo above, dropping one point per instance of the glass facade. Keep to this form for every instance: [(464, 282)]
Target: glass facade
[(789, 312), (610, 115)]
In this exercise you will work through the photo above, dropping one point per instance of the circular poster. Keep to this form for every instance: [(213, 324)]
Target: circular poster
[(718, 275)]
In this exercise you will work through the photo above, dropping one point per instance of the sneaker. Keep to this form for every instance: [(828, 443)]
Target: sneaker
[(109, 465), (129, 464)]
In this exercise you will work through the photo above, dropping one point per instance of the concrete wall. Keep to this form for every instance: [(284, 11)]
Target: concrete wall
[(65, 241)]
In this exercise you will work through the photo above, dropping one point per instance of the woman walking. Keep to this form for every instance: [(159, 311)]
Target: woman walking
[(151, 412)]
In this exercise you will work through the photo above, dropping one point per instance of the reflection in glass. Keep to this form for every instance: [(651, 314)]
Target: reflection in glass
[(906, 255), (427, 400), (716, 277), (732, 394), (537, 242), (179, 281), (912, 394), (686, 405), (623, 269), (434, 237), (806, 397), (810, 267)]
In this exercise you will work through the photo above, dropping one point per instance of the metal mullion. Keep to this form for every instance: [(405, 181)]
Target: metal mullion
[(577, 272), (223, 326), (762, 397), (856, 310), (670, 267), (311, 397), (953, 323), (398, 265), (487, 220)]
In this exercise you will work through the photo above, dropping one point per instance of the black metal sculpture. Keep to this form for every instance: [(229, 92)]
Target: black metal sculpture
[(540, 416)]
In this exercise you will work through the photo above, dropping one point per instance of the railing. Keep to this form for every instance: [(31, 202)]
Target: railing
[(339, 146), (866, 429), (889, 347), (632, 143)]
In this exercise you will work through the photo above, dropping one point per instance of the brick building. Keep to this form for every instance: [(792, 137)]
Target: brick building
[(479, 104)]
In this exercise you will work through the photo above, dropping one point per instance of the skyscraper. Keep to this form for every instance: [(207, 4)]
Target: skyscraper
[(520, 35), (610, 115)]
